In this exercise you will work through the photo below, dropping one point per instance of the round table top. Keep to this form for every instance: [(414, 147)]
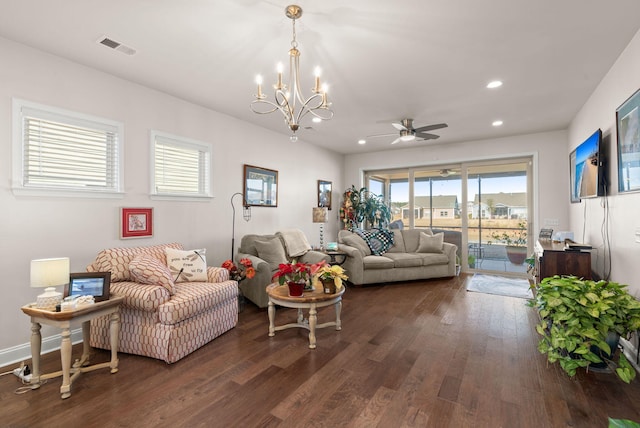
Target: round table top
[(281, 292)]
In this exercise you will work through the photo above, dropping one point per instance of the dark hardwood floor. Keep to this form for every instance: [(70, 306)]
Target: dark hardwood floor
[(418, 354)]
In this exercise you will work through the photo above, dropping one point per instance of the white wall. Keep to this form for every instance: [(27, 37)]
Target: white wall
[(39, 227), (551, 172), (620, 83)]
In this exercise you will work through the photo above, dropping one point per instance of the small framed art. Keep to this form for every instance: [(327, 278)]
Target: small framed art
[(324, 194), (628, 131), (94, 284), (136, 223), (260, 186)]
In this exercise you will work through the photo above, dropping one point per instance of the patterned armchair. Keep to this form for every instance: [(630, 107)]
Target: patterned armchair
[(161, 318)]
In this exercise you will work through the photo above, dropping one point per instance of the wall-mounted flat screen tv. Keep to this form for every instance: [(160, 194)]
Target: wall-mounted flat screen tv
[(589, 179)]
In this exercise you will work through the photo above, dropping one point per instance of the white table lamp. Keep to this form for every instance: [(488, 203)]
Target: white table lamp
[(49, 273), (321, 215)]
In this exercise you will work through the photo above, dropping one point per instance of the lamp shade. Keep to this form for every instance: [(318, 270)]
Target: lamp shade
[(50, 272), (320, 215)]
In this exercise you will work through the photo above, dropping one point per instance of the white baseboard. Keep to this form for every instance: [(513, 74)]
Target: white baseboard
[(630, 351), (16, 354)]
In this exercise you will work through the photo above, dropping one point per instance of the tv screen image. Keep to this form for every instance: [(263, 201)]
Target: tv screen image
[(588, 174)]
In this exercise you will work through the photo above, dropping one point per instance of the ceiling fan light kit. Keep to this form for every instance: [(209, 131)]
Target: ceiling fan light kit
[(287, 97)]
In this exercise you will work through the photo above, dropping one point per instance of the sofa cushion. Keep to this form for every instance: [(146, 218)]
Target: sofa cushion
[(147, 269), (431, 243), (398, 242), (272, 252), (117, 260), (189, 265), (378, 240), (402, 260), (412, 239), (378, 262), (193, 298), (353, 240), (429, 259)]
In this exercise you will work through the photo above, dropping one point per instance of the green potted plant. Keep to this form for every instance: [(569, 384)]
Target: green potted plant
[(581, 322), (515, 242), (363, 206)]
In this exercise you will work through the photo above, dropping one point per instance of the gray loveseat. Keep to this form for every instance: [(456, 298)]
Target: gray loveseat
[(266, 252), (411, 257)]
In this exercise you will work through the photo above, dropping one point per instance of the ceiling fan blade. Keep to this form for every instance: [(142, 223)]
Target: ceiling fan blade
[(399, 126), (431, 127), (381, 135), (397, 140), (426, 136)]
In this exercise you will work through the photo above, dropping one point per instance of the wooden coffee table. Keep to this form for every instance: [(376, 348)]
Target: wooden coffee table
[(312, 300)]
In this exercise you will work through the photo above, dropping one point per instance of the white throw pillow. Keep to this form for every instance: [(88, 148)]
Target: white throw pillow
[(187, 266), (431, 243)]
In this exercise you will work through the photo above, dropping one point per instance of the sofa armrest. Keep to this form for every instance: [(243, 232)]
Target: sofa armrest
[(146, 297), (254, 289), (451, 251), (353, 264), (217, 274), (314, 257)]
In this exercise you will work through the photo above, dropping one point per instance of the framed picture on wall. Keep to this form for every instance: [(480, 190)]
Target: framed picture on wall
[(136, 223), (260, 186), (628, 131), (324, 194)]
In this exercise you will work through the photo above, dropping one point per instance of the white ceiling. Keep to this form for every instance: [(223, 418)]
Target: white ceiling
[(384, 60)]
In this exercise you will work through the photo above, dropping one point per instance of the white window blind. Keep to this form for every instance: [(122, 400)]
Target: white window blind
[(63, 151), (181, 167)]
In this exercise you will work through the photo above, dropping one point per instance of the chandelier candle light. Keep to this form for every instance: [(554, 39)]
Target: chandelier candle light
[(287, 97)]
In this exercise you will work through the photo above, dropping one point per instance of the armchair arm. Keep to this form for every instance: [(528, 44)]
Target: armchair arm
[(254, 289), (217, 274), (314, 257)]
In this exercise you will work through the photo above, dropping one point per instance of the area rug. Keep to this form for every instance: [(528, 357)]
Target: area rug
[(501, 285)]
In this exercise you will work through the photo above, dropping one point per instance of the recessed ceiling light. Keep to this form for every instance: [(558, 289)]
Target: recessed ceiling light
[(362, 142), (497, 123), (316, 120), (494, 84)]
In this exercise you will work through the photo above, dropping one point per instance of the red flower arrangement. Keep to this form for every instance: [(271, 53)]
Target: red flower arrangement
[(244, 270), (296, 272)]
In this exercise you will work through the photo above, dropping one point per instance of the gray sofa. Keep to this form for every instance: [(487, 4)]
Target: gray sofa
[(266, 252), (411, 257)]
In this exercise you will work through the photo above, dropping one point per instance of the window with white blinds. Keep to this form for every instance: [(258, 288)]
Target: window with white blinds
[(62, 151), (180, 166)]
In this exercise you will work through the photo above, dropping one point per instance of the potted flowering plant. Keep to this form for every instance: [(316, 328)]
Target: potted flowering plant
[(295, 275), (331, 277), (244, 270)]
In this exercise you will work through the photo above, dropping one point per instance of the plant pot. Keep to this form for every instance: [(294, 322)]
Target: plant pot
[(295, 288), (613, 339), (516, 255), (329, 286)]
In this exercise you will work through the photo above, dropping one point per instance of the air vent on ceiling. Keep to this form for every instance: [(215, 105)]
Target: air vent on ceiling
[(110, 43)]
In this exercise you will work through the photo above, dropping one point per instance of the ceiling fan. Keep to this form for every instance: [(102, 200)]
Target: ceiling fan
[(409, 133)]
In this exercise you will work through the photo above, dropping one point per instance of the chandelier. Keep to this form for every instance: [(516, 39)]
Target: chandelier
[(288, 99)]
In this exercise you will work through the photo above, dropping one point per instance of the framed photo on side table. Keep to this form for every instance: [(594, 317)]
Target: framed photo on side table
[(136, 223), (94, 284), (260, 186), (324, 194), (628, 131)]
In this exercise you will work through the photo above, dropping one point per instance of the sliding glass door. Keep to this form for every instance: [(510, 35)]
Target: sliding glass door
[(488, 204)]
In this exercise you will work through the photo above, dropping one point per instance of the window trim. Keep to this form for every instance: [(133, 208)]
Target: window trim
[(68, 117), (188, 143)]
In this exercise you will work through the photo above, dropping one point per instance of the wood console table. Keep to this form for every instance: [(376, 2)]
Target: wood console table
[(67, 320), (552, 259)]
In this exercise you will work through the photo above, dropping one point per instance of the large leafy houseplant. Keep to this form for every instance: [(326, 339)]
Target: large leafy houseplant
[(577, 318), (361, 205)]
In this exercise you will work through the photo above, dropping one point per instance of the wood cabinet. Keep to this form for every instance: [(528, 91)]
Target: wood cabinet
[(552, 259)]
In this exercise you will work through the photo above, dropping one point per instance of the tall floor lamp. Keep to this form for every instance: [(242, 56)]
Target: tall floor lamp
[(321, 215), (246, 214)]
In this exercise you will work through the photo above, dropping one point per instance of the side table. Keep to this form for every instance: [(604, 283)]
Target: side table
[(336, 257), (67, 320), (279, 295)]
